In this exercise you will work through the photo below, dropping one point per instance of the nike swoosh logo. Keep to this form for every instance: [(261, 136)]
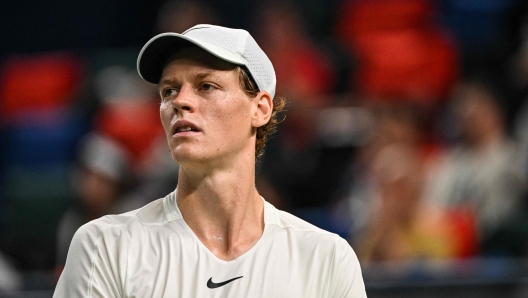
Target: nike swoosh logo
[(213, 285)]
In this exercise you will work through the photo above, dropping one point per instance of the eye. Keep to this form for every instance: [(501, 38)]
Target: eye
[(169, 92), (207, 87)]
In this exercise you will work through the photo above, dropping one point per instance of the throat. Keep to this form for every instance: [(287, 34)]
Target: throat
[(228, 249), (229, 238)]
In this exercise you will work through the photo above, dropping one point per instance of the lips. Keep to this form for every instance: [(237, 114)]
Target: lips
[(184, 126)]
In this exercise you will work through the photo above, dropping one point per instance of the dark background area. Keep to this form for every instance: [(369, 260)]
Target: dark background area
[(36, 26)]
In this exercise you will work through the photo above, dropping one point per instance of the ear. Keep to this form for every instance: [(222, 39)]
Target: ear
[(262, 109)]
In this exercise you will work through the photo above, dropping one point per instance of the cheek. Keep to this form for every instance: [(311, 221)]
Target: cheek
[(234, 122), (165, 116)]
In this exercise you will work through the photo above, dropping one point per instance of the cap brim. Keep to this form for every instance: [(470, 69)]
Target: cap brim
[(157, 50)]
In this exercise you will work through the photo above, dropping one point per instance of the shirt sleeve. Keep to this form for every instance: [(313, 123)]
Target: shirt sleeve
[(348, 281), (93, 267)]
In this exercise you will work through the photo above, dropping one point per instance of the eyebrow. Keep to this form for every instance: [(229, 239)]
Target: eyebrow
[(204, 74), (173, 81)]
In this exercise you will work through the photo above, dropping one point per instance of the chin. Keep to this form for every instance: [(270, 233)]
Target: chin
[(185, 155), (181, 157)]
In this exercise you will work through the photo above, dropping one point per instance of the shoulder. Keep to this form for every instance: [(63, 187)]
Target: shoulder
[(310, 237), (116, 224), (304, 232), (320, 247), (97, 256), (285, 220)]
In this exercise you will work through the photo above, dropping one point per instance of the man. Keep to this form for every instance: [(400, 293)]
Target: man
[(214, 236)]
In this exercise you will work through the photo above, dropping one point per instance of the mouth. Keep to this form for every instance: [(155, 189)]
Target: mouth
[(182, 127)]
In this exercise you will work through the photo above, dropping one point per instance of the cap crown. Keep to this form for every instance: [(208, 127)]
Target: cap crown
[(242, 44)]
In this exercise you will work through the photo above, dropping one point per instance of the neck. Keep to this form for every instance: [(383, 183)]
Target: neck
[(223, 208)]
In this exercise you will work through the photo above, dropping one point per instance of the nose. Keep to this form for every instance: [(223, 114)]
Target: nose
[(184, 101)]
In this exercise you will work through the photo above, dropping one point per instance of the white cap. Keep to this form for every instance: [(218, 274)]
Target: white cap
[(233, 45)]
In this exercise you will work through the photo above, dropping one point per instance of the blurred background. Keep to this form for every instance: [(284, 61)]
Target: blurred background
[(406, 132)]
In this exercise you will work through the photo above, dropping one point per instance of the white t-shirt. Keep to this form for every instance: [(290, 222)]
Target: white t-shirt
[(152, 252)]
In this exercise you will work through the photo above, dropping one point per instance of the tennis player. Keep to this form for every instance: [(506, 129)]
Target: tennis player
[(214, 236)]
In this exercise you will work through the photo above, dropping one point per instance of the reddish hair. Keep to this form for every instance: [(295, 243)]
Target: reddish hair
[(250, 88)]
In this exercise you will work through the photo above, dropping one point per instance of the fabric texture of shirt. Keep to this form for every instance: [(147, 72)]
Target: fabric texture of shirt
[(152, 252)]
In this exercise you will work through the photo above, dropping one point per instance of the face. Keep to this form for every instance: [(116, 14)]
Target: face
[(206, 115), (98, 192), (478, 114)]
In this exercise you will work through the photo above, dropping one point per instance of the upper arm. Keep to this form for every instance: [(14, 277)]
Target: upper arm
[(93, 264), (348, 281)]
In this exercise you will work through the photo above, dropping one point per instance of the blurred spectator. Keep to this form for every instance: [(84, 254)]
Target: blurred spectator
[(390, 216), (129, 112), (396, 125), (481, 173), (403, 226), (99, 183)]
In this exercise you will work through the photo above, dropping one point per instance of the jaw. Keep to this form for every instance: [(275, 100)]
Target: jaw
[(211, 157)]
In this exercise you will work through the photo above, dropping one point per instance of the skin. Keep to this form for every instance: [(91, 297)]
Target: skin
[(481, 119), (98, 193), (216, 185)]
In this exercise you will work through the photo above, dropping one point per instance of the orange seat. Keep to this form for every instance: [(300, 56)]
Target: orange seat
[(401, 53)]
